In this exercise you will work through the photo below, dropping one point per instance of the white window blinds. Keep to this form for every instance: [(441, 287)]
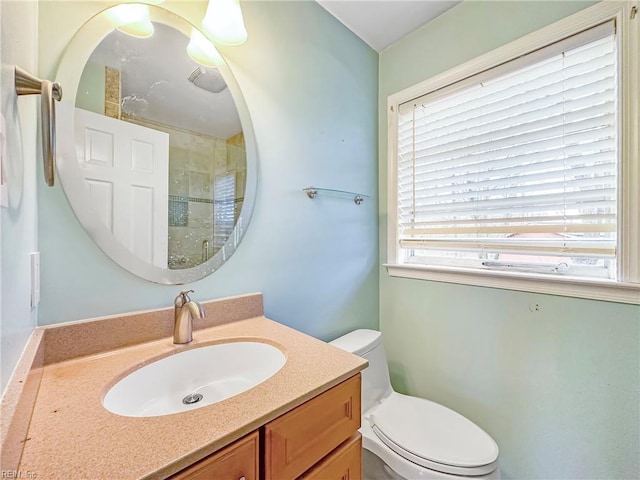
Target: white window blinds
[(516, 167), (224, 219)]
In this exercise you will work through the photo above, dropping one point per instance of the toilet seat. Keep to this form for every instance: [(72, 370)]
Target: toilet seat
[(433, 436)]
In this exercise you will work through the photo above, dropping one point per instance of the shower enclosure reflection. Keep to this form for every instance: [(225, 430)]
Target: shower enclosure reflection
[(162, 148)]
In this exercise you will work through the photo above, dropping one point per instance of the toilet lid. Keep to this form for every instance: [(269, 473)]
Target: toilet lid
[(433, 436)]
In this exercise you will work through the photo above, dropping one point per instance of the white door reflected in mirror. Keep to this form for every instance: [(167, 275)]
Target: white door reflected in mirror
[(126, 167)]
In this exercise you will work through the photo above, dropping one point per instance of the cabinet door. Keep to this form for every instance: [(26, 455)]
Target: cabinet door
[(238, 461), (300, 438), (344, 463)]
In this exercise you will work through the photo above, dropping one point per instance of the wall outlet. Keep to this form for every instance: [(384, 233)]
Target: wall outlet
[(35, 279)]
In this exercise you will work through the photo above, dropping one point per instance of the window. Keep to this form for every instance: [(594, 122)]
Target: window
[(224, 218), (520, 170)]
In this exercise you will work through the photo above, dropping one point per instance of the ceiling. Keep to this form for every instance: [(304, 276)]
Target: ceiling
[(383, 22), (155, 82)]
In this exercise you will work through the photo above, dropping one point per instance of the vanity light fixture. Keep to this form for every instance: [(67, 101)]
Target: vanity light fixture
[(202, 51), (223, 22), (132, 19)]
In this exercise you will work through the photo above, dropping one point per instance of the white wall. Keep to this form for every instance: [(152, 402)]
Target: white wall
[(559, 388), (18, 223)]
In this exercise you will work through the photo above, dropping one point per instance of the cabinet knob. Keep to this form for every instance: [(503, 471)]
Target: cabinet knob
[(242, 478)]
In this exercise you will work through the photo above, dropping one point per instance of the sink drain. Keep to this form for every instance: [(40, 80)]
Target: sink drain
[(192, 398)]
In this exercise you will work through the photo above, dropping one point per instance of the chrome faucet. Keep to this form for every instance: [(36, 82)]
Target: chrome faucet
[(185, 310)]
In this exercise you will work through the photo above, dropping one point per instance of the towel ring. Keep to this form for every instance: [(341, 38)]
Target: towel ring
[(27, 84)]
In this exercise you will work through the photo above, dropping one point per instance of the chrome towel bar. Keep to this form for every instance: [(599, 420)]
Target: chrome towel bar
[(27, 84)]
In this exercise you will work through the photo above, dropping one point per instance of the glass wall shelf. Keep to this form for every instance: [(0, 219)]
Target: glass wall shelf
[(313, 192)]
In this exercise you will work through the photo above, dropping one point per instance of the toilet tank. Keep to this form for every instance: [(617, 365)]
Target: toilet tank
[(376, 385)]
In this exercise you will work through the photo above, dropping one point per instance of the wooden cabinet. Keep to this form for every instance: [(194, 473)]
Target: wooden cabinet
[(302, 437), (238, 461), (317, 440), (344, 463)]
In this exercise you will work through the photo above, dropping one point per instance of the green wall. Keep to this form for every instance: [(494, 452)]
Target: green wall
[(19, 219), (558, 388), (311, 88), (90, 94)]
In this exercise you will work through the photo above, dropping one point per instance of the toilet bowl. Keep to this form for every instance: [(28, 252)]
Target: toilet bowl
[(406, 437)]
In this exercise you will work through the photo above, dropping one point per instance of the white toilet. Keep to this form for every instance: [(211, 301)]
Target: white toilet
[(412, 438)]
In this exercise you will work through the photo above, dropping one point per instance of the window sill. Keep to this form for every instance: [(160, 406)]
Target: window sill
[(568, 287)]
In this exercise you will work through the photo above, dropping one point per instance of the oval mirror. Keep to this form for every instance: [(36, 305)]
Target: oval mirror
[(156, 152)]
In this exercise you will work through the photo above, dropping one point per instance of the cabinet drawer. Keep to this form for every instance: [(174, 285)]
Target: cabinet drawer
[(344, 463), (299, 439), (237, 461)]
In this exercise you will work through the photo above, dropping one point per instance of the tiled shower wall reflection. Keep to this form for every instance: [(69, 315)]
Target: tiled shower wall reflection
[(206, 182)]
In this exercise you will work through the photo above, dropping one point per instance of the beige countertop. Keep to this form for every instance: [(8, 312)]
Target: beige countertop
[(71, 435)]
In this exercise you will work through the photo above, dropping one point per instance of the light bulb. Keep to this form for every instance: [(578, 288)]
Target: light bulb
[(223, 22), (132, 19), (202, 51)]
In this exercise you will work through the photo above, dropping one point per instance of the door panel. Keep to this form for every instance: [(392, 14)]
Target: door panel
[(126, 167)]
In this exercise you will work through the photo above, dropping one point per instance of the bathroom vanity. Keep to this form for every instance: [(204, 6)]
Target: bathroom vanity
[(319, 437), (300, 423)]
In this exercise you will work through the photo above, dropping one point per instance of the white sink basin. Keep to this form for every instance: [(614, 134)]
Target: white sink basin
[(193, 378)]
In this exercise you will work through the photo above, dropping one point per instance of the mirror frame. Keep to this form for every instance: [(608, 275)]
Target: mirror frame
[(70, 69)]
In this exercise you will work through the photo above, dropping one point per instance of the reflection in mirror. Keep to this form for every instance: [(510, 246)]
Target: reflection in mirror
[(161, 153), (192, 141)]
